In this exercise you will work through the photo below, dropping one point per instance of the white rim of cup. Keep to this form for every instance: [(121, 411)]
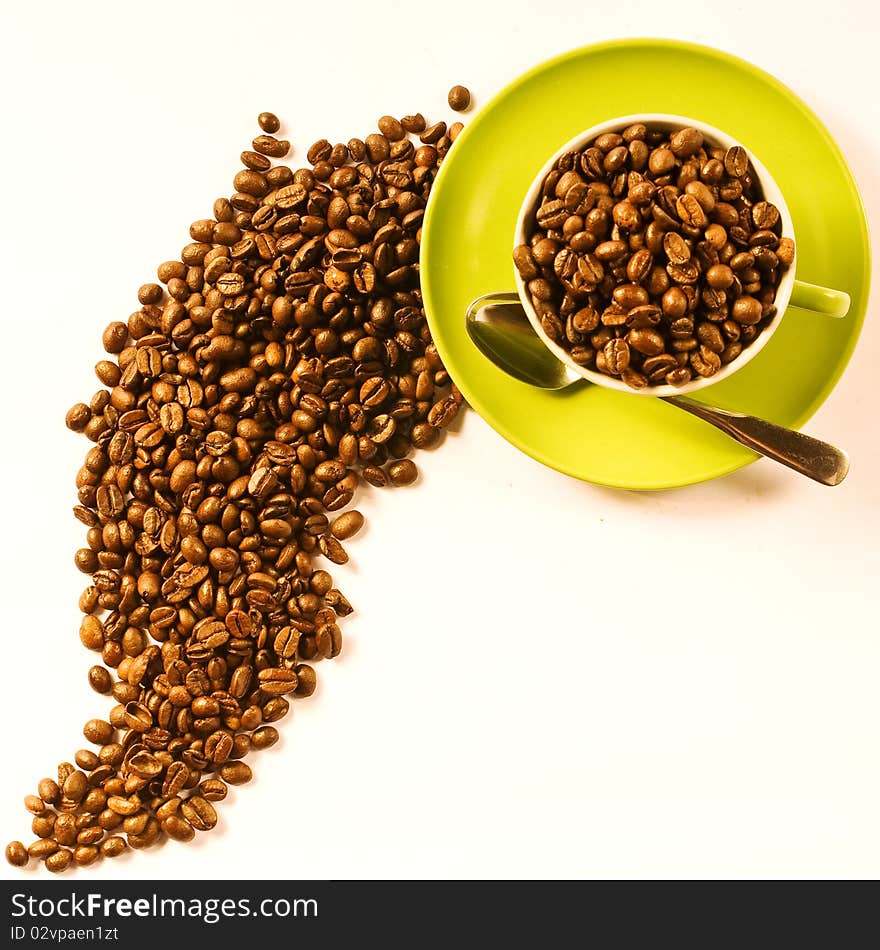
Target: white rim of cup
[(772, 193)]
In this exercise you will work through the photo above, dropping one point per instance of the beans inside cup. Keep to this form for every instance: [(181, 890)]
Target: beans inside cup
[(653, 256)]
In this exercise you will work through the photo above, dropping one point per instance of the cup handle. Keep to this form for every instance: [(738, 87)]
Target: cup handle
[(824, 300)]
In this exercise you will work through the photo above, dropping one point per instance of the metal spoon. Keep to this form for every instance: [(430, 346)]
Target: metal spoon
[(500, 329)]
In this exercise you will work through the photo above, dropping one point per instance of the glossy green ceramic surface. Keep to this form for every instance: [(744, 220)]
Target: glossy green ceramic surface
[(595, 434)]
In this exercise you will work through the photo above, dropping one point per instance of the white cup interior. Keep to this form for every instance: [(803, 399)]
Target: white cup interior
[(713, 136)]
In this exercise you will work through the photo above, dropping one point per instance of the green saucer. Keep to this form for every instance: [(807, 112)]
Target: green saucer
[(613, 438)]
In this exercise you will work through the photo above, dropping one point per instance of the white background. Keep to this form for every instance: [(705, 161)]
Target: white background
[(543, 678)]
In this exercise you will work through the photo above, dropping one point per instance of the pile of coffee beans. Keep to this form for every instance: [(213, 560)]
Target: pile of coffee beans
[(653, 256), (280, 361)]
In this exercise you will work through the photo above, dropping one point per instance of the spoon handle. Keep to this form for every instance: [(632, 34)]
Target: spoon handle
[(811, 457)]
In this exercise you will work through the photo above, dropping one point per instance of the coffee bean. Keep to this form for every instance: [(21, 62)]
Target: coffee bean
[(639, 266), (236, 773), (268, 122), (785, 251), (113, 846), (84, 855), (177, 827), (459, 98), (719, 276), (269, 145), (765, 215), (16, 854), (628, 296), (34, 804), (691, 212), (646, 341), (328, 640), (403, 472), (267, 736), (677, 249), (626, 215), (42, 848), (332, 549), (199, 812), (277, 682), (551, 214), (710, 336), (617, 356), (86, 760), (58, 861), (684, 274), (685, 142), (115, 337), (49, 791), (747, 310), (441, 414), (414, 123), (98, 731), (391, 128), (347, 525), (522, 258), (78, 417), (736, 161), (136, 717)]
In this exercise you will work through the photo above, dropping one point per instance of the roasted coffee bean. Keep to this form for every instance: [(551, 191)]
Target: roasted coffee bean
[(16, 854), (236, 773), (34, 804), (86, 760), (266, 736), (268, 122), (391, 128), (524, 261), (78, 417), (433, 133), (269, 145), (617, 356), (403, 472), (277, 682), (42, 848), (676, 248), (49, 791), (98, 731), (645, 341), (691, 212), (199, 812), (177, 827), (443, 412), (414, 123), (785, 251), (747, 310), (115, 337), (58, 861), (736, 161), (113, 846), (332, 549), (719, 276), (347, 525), (306, 679), (765, 215), (459, 98), (685, 142)]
